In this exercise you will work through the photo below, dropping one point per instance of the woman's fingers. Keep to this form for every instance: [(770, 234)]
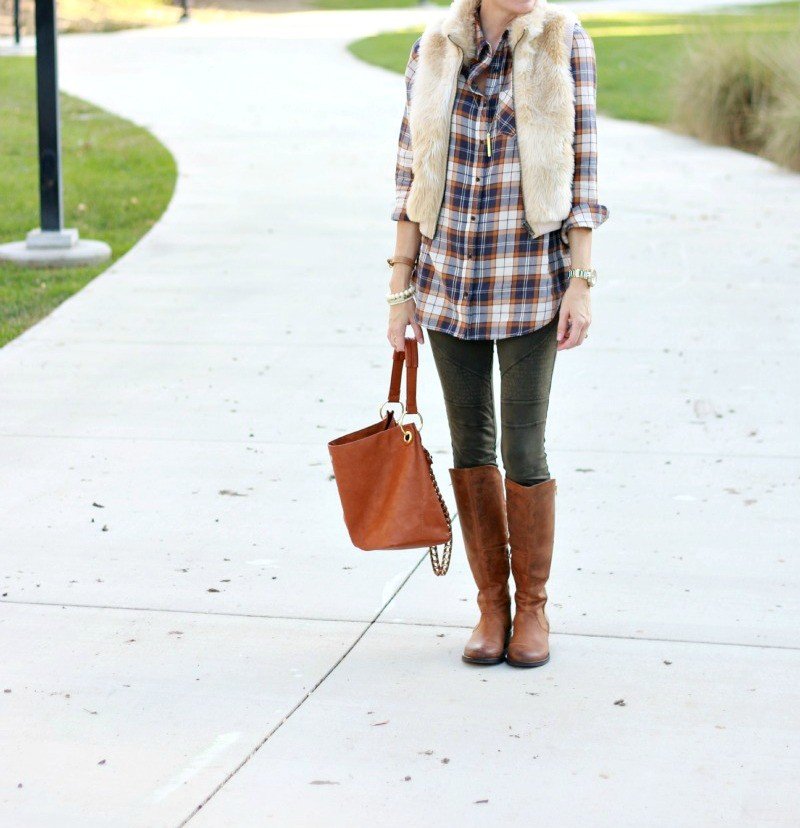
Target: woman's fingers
[(416, 327), (575, 333), (397, 335), (393, 336), (578, 328), (563, 319), (573, 326), (397, 328)]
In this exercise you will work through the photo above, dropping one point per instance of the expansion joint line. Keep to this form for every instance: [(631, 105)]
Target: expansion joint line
[(305, 698)]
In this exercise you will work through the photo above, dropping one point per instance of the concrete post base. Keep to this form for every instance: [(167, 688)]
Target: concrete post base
[(26, 46), (55, 248)]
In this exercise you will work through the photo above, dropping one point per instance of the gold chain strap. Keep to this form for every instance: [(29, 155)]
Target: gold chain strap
[(440, 567)]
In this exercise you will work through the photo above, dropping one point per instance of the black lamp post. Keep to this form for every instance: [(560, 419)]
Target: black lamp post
[(50, 188), (16, 22), (51, 244)]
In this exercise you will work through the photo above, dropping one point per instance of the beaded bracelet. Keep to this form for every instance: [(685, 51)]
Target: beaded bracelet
[(406, 291), (401, 296)]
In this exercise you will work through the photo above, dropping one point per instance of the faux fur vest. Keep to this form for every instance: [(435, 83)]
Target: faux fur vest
[(543, 93)]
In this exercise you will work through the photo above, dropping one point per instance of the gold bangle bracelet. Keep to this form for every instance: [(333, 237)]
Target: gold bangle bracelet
[(393, 260)]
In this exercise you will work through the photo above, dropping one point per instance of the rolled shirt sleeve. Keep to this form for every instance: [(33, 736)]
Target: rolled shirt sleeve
[(403, 172), (586, 210)]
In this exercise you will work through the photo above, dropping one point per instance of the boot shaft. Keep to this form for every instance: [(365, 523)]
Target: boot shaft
[(531, 529), (531, 526), (480, 501)]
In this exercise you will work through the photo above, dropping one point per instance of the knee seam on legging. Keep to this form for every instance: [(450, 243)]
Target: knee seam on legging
[(525, 400), (529, 352), (484, 376)]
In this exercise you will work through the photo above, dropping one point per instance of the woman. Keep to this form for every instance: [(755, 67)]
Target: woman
[(496, 203)]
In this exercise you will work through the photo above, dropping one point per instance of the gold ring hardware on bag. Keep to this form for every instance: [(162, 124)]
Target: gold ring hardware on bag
[(408, 436), (392, 402), (414, 414)]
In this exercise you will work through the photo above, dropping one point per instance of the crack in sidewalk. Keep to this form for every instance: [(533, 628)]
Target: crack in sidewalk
[(306, 697)]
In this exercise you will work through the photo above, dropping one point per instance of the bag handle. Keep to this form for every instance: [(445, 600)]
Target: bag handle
[(409, 356)]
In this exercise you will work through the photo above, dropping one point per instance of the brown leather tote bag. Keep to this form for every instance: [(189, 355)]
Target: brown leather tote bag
[(385, 479)]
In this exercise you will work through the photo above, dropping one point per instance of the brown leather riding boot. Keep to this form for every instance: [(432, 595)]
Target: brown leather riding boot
[(481, 508), (531, 526)]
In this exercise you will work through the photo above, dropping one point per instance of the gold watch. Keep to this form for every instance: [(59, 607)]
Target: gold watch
[(587, 273)]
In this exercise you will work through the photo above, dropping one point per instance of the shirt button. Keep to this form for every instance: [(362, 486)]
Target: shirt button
[(472, 217)]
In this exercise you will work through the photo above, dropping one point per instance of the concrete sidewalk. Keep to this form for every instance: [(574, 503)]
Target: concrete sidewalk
[(184, 622)]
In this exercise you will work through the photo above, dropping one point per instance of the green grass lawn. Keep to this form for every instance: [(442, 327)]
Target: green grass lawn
[(118, 179), (638, 55)]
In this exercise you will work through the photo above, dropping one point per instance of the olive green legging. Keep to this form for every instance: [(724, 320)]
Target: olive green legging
[(526, 372)]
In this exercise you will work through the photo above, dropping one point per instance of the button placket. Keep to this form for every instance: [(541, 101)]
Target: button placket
[(471, 228), (475, 192), (472, 235), (479, 162)]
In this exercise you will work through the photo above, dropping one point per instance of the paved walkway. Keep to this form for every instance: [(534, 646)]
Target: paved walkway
[(184, 622)]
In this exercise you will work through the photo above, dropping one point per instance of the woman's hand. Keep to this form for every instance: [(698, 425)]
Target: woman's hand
[(400, 317), (575, 315)]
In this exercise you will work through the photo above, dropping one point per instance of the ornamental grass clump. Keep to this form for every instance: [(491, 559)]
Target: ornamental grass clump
[(779, 127), (743, 92)]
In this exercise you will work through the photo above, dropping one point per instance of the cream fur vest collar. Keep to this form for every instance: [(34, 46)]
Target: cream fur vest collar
[(543, 93)]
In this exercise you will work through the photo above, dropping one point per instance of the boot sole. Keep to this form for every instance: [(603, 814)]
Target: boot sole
[(523, 664), (484, 661)]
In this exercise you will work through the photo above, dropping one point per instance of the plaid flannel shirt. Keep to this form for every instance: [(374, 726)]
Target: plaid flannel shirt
[(484, 275)]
